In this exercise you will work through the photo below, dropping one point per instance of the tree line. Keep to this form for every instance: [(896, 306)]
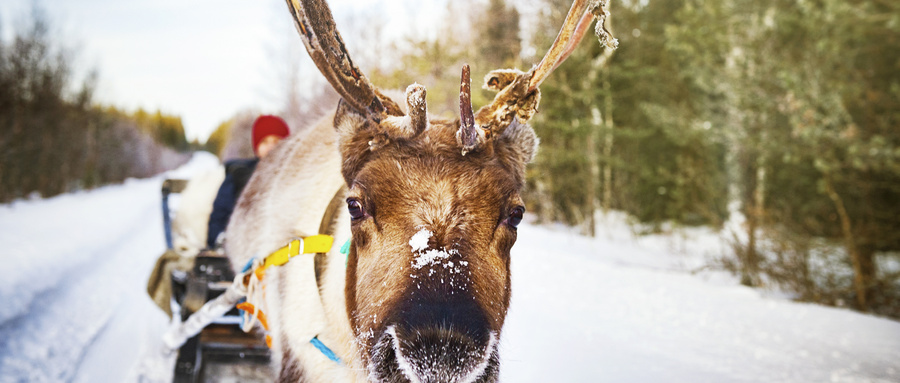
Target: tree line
[(781, 115), (54, 138)]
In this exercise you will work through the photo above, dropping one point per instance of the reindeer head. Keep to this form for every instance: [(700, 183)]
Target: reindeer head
[(434, 206)]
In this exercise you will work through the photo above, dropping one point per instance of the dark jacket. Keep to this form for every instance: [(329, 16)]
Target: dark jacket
[(237, 173)]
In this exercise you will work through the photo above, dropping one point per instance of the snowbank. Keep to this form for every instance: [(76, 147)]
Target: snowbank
[(593, 311)]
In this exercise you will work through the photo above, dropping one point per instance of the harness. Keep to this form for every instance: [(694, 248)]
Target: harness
[(254, 271)]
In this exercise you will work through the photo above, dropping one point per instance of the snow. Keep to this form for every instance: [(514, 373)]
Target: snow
[(588, 314), (74, 272), (616, 308), (428, 257), (419, 241)]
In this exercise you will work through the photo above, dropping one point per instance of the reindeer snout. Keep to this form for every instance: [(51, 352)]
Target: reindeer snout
[(444, 355), (447, 340)]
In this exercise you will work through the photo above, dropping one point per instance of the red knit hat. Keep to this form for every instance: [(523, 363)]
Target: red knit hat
[(268, 125)]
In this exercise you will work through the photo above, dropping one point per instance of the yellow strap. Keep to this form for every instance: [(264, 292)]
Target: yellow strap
[(319, 243)]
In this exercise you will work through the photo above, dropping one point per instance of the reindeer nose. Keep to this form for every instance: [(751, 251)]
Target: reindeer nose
[(443, 355), (442, 338), (426, 309)]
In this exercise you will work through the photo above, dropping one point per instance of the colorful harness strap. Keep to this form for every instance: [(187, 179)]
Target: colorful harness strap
[(325, 350), (320, 243)]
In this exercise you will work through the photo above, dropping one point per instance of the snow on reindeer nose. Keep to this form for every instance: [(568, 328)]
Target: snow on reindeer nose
[(432, 258), (428, 257)]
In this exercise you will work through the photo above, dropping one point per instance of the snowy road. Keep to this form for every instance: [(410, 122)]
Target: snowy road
[(87, 268), (605, 310)]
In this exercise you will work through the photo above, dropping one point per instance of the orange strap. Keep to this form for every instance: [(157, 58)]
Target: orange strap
[(248, 307)]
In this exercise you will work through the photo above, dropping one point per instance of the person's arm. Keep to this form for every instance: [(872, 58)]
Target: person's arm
[(223, 206)]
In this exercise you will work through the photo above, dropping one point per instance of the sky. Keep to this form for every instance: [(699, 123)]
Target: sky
[(203, 60)]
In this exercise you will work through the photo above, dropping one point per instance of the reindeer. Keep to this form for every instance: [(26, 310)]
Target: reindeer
[(432, 206)]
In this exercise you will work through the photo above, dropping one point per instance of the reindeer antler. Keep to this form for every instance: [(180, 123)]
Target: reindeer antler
[(468, 136), (518, 94), (315, 23), (571, 34)]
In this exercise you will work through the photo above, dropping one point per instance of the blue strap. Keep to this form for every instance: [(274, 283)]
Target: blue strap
[(248, 266), (346, 251), (315, 340), (325, 350)]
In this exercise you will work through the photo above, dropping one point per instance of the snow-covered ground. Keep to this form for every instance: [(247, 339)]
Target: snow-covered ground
[(611, 309)]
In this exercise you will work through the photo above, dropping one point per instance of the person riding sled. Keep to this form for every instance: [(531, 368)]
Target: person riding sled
[(267, 132)]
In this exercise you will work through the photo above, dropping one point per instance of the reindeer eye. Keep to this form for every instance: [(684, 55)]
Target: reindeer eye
[(356, 209), (515, 216)]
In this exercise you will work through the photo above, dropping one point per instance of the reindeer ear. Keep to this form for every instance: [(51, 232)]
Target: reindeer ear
[(347, 120), (518, 143), (356, 136)]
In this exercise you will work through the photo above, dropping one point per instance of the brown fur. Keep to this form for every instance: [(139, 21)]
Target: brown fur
[(406, 185), (291, 371)]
